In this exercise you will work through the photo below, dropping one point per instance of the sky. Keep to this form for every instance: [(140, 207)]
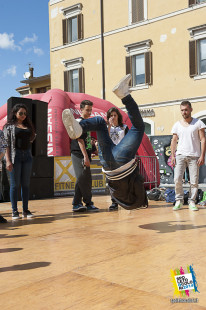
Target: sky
[(24, 40)]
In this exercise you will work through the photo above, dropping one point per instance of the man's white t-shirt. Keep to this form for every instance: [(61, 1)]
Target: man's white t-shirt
[(189, 140)]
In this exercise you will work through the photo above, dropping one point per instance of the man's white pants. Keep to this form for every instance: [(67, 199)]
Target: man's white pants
[(181, 163)]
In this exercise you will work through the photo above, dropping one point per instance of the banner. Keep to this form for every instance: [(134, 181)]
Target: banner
[(64, 176)]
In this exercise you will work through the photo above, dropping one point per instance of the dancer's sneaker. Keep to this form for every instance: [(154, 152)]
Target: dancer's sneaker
[(192, 206), (121, 90), (15, 215), (113, 207), (27, 213), (79, 208), (177, 205), (92, 208), (72, 126)]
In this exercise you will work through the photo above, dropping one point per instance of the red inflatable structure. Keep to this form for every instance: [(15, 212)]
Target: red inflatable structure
[(58, 140)]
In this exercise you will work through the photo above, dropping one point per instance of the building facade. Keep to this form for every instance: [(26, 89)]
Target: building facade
[(161, 43), (34, 85)]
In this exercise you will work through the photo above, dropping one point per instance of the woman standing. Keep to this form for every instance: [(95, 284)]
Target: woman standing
[(2, 151), (19, 134), (117, 131)]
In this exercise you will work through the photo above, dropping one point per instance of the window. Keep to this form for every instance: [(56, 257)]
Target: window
[(138, 10), (193, 2), (72, 25), (147, 129), (202, 56), (74, 76), (138, 64), (197, 51)]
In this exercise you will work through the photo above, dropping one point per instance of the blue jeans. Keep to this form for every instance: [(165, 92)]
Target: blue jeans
[(20, 175), (114, 156)]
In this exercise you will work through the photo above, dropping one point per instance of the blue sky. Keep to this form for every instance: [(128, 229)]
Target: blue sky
[(24, 40)]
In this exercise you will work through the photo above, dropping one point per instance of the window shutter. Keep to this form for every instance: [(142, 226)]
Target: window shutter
[(192, 2), (137, 10), (80, 26), (148, 68), (81, 80), (193, 57), (129, 67), (64, 31), (66, 80)]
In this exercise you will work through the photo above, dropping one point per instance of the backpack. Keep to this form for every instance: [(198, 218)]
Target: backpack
[(199, 196), (154, 194), (170, 195), (186, 196)]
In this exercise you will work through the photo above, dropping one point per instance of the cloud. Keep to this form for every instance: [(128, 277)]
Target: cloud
[(38, 51), (7, 41), (11, 71), (29, 40)]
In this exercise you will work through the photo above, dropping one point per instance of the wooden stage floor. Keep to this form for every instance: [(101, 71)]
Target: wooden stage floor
[(95, 261)]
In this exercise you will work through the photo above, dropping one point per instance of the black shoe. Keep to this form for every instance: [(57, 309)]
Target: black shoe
[(27, 213), (2, 219), (15, 215), (79, 208), (92, 208), (113, 207)]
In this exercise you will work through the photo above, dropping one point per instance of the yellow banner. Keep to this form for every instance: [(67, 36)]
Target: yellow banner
[(64, 176)]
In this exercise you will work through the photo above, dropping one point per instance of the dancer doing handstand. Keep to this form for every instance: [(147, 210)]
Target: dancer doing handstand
[(119, 164)]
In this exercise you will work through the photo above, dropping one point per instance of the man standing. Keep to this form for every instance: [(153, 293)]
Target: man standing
[(81, 150), (190, 153)]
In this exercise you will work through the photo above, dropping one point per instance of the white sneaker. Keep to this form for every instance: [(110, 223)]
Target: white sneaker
[(192, 206), (72, 126), (121, 90), (177, 205)]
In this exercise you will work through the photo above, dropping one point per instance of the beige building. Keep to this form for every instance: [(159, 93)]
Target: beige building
[(34, 85), (161, 43)]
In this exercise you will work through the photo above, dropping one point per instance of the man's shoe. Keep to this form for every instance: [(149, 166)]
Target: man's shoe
[(177, 205), (72, 126), (79, 208), (27, 213), (15, 215), (192, 206), (113, 207), (92, 208), (2, 219), (121, 90)]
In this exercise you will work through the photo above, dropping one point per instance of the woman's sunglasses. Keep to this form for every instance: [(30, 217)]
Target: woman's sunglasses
[(22, 113)]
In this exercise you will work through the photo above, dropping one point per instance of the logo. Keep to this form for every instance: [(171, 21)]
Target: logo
[(184, 281)]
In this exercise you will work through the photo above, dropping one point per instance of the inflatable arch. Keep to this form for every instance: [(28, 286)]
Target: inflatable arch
[(58, 139)]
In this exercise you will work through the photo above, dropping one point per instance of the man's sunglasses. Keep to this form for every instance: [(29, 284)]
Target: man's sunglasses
[(22, 113)]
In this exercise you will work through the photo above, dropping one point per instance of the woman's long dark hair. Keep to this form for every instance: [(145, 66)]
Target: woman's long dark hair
[(113, 109), (12, 119)]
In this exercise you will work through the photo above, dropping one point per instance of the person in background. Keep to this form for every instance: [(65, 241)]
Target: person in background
[(2, 152), (117, 131), (81, 150), (19, 134), (190, 152)]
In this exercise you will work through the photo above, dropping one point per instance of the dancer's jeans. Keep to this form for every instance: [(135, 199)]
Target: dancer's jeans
[(114, 156), (20, 175), (181, 163)]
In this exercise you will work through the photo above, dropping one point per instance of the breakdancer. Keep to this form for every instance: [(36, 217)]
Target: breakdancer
[(125, 183)]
